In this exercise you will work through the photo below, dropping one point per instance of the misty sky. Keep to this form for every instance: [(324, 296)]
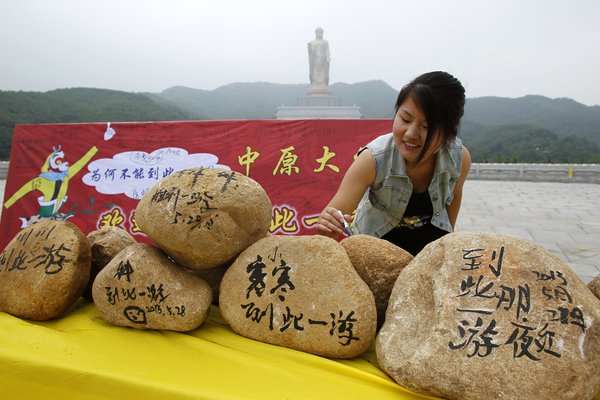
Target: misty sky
[(506, 48)]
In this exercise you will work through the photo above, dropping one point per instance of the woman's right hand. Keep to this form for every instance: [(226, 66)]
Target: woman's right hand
[(358, 178), (330, 223)]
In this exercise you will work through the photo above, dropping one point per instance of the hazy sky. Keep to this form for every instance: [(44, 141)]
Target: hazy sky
[(506, 48)]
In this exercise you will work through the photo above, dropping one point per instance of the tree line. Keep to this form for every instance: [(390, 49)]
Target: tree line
[(530, 129)]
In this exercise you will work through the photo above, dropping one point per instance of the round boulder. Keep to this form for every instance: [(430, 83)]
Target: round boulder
[(378, 262), (482, 316), (204, 217), (106, 243), (299, 292), (142, 288), (44, 270)]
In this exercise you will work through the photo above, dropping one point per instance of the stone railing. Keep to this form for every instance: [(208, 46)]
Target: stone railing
[(581, 173)]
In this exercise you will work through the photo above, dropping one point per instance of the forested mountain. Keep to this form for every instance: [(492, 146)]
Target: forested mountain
[(562, 116), (526, 129), (78, 105), (526, 143), (234, 101), (260, 100)]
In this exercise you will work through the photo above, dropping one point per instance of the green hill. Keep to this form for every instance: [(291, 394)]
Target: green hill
[(78, 105), (526, 129), (259, 100), (563, 116), (523, 143)]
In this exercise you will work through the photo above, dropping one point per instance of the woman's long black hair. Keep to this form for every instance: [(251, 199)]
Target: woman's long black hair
[(441, 98)]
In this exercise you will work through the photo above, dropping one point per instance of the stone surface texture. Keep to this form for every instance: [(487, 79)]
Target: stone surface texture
[(378, 262), (44, 270), (594, 286), (479, 315), (143, 289), (106, 243), (204, 217), (213, 277), (299, 292)]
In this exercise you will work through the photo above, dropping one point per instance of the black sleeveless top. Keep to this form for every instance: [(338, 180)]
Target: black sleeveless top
[(415, 230)]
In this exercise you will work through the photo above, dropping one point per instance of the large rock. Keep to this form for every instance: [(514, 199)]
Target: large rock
[(299, 292), (204, 218), (213, 277), (106, 243), (594, 286), (378, 262), (142, 288), (478, 316), (44, 270)]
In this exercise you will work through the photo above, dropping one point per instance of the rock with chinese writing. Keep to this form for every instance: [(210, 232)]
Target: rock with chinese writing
[(106, 243), (378, 262), (142, 288), (44, 270), (594, 286), (299, 292), (478, 315), (204, 217)]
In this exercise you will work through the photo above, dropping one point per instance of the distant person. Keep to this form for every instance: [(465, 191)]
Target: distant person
[(406, 186), (318, 59)]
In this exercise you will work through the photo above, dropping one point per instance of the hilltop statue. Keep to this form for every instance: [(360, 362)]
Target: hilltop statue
[(318, 58), (318, 103)]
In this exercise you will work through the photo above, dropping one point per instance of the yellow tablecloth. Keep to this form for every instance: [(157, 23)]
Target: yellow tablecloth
[(80, 356)]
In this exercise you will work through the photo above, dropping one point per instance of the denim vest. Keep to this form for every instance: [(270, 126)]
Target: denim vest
[(383, 204)]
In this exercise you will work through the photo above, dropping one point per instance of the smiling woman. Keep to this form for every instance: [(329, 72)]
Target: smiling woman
[(407, 187)]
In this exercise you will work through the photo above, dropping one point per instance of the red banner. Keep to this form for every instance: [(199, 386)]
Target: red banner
[(94, 174)]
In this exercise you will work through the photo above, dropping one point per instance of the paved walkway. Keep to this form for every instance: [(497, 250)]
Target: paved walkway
[(564, 218)]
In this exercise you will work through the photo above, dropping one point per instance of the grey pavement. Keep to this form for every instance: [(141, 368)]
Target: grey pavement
[(563, 218)]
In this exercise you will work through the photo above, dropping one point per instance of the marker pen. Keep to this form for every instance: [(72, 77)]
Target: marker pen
[(347, 228)]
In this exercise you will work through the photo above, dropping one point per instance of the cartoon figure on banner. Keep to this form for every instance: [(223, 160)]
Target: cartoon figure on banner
[(53, 183)]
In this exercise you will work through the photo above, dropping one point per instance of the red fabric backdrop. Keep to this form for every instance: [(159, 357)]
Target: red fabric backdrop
[(110, 166)]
